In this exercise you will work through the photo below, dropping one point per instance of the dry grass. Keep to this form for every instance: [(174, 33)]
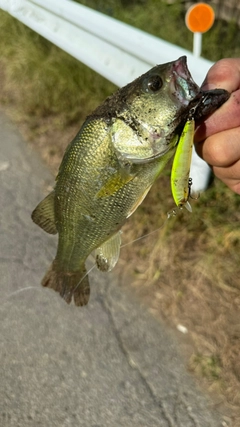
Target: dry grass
[(188, 271)]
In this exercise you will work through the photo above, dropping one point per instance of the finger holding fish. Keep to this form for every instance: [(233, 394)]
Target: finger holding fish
[(217, 139)]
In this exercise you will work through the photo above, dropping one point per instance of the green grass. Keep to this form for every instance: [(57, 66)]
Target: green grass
[(46, 80), (166, 19), (207, 366)]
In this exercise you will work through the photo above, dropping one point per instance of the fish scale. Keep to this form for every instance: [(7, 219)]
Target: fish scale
[(110, 217)]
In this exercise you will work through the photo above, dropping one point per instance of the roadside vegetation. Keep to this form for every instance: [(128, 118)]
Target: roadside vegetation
[(188, 271)]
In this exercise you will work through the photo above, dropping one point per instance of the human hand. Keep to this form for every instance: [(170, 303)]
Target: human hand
[(217, 139)]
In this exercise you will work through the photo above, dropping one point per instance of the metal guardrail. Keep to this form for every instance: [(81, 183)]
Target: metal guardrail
[(112, 48)]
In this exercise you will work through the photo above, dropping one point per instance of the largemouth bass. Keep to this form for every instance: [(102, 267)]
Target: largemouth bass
[(108, 169)]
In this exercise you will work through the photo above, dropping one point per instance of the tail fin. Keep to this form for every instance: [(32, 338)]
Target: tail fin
[(68, 284)]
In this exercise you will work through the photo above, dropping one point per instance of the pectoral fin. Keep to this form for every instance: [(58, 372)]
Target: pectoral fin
[(138, 202), (44, 216), (108, 253)]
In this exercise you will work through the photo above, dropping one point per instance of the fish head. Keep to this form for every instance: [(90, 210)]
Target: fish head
[(147, 116), (152, 108), (166, 90)]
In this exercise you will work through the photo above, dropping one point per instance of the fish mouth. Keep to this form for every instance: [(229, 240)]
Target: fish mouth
[(201, 103), (182, 85)]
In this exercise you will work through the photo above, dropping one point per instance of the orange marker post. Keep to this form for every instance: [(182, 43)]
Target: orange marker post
[(199, 19)]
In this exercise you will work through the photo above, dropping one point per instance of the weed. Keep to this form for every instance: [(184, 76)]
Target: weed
[(206, 366)]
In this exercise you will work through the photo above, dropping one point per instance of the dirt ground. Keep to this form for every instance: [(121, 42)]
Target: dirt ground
[(171, 272)]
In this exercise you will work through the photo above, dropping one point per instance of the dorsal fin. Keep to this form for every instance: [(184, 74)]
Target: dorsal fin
[(44, 216)]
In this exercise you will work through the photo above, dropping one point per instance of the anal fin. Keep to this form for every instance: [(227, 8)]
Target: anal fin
[(108, 253)]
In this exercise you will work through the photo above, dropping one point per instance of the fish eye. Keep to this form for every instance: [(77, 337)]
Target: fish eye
[(154, 84)]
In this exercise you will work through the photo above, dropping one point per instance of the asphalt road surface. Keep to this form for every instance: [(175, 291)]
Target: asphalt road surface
[(107, 364)]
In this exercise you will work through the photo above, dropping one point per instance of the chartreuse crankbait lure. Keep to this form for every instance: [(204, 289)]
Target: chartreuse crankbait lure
[(180, 181)]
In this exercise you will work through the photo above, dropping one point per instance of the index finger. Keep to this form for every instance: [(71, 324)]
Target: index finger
[(224, 74)]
